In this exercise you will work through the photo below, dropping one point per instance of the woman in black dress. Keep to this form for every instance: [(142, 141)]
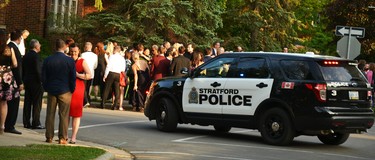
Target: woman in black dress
[(99, 71), (8, 87)]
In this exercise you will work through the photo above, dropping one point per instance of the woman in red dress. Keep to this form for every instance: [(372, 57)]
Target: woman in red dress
[(76, 105)]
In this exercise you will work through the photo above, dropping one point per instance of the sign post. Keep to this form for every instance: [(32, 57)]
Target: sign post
[(348, 50)]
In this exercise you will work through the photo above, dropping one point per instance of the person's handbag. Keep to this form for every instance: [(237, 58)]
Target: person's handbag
[(122, 79)]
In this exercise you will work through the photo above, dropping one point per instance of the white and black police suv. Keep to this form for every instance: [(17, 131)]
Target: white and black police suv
[(283, 95)]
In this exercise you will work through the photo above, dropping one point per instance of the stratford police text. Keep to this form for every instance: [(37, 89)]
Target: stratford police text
[(223, 97)]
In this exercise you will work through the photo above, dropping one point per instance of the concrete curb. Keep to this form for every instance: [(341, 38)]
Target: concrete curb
[(106, 156), (32, 137)]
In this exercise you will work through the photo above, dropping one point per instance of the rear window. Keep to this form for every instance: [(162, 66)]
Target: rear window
[(340, 71)]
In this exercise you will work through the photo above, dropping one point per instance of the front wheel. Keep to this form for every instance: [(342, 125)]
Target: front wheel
[(334, 138), (166, 116), (276, 127)]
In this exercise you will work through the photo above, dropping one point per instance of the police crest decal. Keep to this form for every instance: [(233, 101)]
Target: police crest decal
[(193, 95)]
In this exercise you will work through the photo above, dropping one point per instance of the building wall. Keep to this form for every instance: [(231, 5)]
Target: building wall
[(30, 15), (2, 16), (21, 14)]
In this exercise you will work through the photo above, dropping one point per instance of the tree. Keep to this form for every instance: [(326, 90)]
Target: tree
[(259, 24), (358, 14), (311, 28), (155, 21)]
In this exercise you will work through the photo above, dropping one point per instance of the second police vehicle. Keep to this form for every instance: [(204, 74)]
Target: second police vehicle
[(283, 95)]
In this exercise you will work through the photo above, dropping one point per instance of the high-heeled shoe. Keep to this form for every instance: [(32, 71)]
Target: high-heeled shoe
[(1, 131), (121, 109)]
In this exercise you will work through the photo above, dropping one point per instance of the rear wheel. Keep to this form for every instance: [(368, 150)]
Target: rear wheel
[(223, 129), (166, 115), (276, 127), (334, 138)]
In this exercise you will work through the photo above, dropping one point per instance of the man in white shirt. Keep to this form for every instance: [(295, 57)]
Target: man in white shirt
[(25, 33), (92, 61), (116, 65)]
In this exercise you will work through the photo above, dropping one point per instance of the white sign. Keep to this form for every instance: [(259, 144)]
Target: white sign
[(352, 31)]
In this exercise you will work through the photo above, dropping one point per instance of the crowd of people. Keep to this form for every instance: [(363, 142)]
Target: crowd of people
[(68, 76), (141, 66)]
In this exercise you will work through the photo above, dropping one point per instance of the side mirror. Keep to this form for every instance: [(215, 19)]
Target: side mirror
[(184, 70)]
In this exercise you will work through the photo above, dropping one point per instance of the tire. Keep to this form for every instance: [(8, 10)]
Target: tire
[(276, 127), (166, 116), (222, 129), (334, 138)]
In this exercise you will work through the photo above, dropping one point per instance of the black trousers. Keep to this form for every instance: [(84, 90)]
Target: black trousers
[(32, 104), (112, 83), (13, 106), (87, 98)]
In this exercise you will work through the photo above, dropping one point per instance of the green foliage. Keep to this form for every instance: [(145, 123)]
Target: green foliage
[(155, 21), (104, 25), (311, 27), (49, 152), (46, 49), (98, 5), (258, 25), (266, 25)]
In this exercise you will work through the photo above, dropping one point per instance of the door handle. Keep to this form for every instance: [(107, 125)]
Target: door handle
[(215, 84), (261, 85)]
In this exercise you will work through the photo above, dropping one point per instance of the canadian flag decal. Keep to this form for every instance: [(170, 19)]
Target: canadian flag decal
[(287, 85)]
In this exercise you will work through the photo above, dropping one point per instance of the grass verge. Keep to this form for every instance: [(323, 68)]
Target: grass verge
[(49, 152)]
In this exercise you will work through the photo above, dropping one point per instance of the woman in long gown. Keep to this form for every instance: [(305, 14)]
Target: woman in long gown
[(141, 82), (76, 105)]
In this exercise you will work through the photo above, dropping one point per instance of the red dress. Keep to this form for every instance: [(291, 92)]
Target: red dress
[(76, 105)]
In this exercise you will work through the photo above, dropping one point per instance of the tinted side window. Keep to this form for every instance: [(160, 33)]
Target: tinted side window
[(249, 68), (297, 70), (216, 68)]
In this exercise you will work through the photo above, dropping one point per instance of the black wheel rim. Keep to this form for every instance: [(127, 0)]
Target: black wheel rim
[(274, 126)]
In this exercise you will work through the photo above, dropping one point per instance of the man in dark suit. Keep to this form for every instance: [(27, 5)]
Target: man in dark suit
[(189, 53), (33, 86), (179, 62), (13, 105), (59, 81)]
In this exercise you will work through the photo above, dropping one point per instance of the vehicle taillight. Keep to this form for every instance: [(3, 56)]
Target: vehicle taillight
[(320, 91)]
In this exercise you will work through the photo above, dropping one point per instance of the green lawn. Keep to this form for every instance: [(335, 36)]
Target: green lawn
[(49, 152)]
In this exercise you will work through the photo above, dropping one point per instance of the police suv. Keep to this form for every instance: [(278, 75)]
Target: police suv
[(283, 95)]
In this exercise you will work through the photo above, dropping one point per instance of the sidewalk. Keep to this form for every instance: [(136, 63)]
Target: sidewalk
[(30, 136)]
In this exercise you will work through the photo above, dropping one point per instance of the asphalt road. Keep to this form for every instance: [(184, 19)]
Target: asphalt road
[(133, 132)]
